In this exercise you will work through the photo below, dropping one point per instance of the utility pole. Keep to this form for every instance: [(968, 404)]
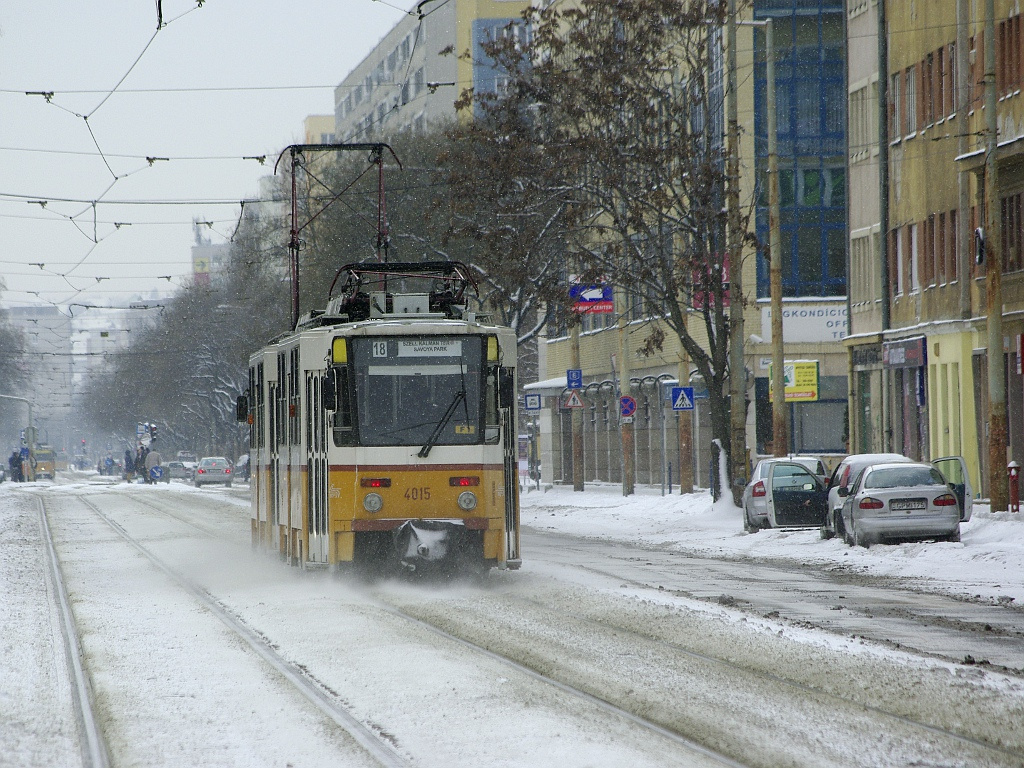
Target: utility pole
[(994, 281), (684, 425), (780, 424), (577, 413), (737, 369), (885, 439), (963, 231), (625, 422)]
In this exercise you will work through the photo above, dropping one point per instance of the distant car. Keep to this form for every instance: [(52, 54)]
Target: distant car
[(176, 470), (784, 493), (242, 468), (900, 501), (844, 475), (213, 469)]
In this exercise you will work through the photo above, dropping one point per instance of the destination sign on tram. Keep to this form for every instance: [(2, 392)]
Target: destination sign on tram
[(430, 348)]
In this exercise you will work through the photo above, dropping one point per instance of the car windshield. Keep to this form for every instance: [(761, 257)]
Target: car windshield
[(903, 477)]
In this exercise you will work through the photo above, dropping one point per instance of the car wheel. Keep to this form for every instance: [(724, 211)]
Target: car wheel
[(954, 536), (826, 533), (229, 485), (748, 526), (847, 534), (859, 540), (837, 524)]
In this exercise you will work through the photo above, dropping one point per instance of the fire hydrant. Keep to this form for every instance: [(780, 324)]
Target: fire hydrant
[(1013, 469)]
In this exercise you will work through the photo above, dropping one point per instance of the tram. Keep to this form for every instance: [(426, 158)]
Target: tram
[(383, 428)]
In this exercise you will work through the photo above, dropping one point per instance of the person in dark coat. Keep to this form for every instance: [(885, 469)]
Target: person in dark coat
[(129, 465)]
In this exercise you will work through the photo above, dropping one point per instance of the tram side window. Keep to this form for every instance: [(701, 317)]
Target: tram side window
[(492, 424), (344, 434)]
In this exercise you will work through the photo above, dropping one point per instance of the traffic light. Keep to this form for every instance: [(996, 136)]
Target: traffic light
[(152, 433)]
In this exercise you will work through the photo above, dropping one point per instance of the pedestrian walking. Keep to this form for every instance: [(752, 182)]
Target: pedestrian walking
[(152, 460)]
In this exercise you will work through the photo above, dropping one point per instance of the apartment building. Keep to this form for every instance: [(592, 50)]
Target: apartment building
[(412, 78), (918, 343)]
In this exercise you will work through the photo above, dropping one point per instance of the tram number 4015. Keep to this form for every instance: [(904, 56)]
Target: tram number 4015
[(417, 494)]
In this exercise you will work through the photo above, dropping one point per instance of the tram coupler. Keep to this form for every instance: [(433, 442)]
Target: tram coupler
[(429, 544)]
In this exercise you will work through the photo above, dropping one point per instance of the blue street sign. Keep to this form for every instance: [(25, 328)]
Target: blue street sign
[(574, 378), (682, 398), (155, 473), (627, 405), (532, 402), (597, 299)]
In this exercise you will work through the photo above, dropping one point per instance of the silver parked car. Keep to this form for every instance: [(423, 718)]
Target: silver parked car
[(213, 469), (784, 493), (900, 501), (843, 476), (176, 470)]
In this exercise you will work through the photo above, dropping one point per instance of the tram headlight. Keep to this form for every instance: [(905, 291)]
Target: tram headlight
[(372, 502), (467, 500)]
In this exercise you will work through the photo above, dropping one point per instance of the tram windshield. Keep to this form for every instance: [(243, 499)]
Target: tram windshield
[(418, 390)]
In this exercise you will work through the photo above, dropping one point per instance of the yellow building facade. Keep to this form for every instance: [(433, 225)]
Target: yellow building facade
[(918, 343)]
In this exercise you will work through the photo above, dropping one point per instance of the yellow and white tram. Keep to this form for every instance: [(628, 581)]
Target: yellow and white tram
[(383, 428)]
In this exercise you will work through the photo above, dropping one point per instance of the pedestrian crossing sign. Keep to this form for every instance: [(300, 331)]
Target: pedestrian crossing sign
[(682, 398), (573, 400)]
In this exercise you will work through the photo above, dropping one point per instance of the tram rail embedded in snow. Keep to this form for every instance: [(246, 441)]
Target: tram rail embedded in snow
[(383, 428)]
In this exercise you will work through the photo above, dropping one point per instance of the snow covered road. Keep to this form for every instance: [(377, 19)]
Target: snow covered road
[(598, 653)]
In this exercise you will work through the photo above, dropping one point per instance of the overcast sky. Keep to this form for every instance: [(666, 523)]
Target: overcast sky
[(218, 83)]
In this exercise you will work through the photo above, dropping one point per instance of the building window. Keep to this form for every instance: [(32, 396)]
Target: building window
[(954, 250), (910, 107), (928, 80), (895, 108), (941, 248), (915, 259), (901, 260), (1013, 232), (863, 125)]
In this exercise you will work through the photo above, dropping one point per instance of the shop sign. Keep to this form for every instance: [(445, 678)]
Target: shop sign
[(809, 321), (866, 356), (905, 353), (800, 378)]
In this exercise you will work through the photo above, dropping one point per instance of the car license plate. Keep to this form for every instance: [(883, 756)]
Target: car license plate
[(907, 505)]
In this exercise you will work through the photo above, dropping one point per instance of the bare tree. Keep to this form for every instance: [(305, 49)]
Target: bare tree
[(614, 108)]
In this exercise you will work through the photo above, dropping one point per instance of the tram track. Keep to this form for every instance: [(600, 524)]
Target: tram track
[(93, 746), (378, 746), (535, 636), (707, 755), (829, 708)]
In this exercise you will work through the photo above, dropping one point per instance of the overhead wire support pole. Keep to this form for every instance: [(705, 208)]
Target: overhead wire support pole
[(780, 423), (737, 369), (997, 428), (376, 150)]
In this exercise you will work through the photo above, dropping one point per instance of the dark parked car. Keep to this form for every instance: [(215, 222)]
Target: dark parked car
[(242, 467), (784, 494), (213, 469)]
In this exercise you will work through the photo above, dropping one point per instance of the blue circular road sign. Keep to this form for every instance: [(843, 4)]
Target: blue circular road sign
[(627, 405)]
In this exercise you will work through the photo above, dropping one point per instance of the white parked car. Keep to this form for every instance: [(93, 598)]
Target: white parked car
[(843, 476), (900, 501)]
